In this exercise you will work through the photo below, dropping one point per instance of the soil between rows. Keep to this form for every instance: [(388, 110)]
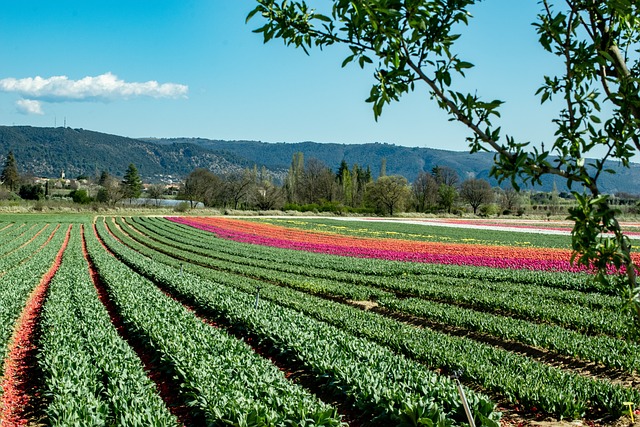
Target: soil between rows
[(295, 372), (162, 375), (22, 378)]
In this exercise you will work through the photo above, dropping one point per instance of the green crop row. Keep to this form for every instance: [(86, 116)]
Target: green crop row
[(609, 351), (15, 236), (226, 381), (20, 281), (8, 229), (303, 262), (486, 296), (4, 226), (91, 376), (388, 388), (23, 251), (273, 259), (519, 378)]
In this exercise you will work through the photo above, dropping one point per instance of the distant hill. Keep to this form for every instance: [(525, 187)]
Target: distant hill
[(49, 151)]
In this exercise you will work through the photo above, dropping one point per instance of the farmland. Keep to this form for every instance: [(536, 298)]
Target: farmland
[(263, 322)]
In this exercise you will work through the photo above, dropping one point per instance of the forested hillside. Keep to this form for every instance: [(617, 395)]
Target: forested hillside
[(49, 151), (405, 161)]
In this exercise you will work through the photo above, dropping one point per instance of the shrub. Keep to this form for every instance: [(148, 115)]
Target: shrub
[(31, 192), (181, 207), (488, 209), (81, 197)]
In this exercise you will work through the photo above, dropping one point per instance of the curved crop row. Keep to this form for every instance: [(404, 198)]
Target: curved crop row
[(493, 297), (31, 244), (431, 230), (272, 258), (222, 377), (611, 352), (386, 387), (517, 377)]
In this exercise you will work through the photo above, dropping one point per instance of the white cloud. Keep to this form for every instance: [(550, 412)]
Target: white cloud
[(29, 106), (105, 87)]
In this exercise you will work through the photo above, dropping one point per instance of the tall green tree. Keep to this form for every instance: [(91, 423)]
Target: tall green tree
[(447, 196), (10, 176), (294, 178), (411, 46), (132, 183)]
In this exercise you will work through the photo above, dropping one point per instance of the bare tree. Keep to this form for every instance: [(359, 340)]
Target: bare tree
[(111, 191), (510, 199), (237, 186), (425, 191), (476, 192), (155, 192), (319, 182), (267, 196), (446, 175)]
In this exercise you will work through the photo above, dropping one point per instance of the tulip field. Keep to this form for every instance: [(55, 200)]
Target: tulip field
[(219, 321)]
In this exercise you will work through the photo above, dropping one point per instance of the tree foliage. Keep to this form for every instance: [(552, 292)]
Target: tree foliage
[(80, 196), (31, 192), (132, 183), (425, 191), (201, 185), (411, 45), (447, 196), (10, 176), (389, 193)]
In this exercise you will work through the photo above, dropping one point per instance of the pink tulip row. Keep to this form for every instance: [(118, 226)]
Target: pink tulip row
[(435, 258)]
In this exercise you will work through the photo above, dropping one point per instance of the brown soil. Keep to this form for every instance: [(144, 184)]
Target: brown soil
[(166, 383)]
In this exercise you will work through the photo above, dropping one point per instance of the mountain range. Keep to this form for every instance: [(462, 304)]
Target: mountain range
[(48, 152)]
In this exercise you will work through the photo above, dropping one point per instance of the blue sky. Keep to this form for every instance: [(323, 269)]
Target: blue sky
[(193, 68)]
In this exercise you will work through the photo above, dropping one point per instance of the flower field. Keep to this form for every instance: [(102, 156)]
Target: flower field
[(218, 321), (551, 259)]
